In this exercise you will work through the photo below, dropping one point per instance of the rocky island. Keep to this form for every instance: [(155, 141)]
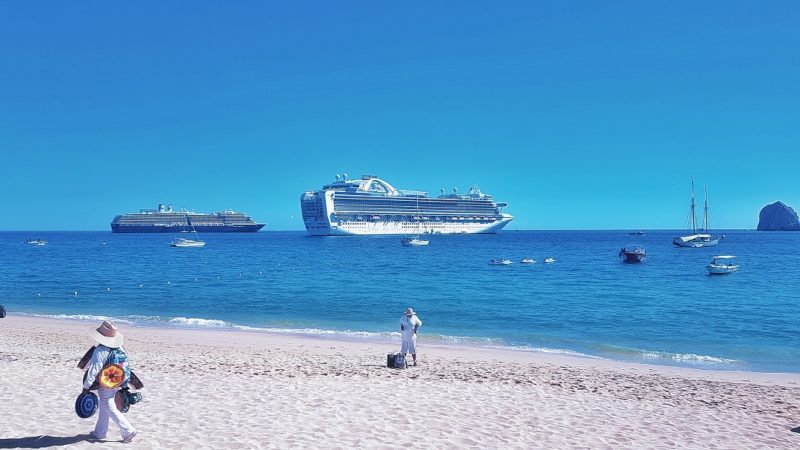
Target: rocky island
[(778, 217)]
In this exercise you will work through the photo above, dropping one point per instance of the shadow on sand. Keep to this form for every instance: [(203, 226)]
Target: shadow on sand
[(42, 441)]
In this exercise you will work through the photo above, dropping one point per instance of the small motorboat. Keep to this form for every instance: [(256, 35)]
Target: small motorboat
[(549, 260), (500, 262), (39, 242), (636, 233), (528, 261), (414, 242), (723, 264), (181, 242), (632, 255)]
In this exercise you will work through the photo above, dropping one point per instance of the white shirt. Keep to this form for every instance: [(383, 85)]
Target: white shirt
[(408, 325)]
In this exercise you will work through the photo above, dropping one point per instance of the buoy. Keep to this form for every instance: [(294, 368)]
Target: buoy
[(141, 285), (108, 289), (75, 293), (38, 295)]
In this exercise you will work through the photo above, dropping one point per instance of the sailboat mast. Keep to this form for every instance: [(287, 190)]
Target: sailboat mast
[(694, 216), (705, 210), (419, 224)]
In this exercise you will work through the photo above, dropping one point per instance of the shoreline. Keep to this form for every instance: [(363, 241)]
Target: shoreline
[(469, 352), (207, 388)]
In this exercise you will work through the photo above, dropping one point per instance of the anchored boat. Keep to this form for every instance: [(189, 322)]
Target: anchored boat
[(723, 264), (633, 255), (697, 240), (500, 262)]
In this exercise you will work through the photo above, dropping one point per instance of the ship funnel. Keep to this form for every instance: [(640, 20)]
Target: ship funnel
[(160, 207), (338, 177), (344, 175)]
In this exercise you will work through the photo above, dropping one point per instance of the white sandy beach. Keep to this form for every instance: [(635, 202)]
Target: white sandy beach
[(232, 389)]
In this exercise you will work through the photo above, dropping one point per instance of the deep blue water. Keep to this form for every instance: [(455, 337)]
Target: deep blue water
[(665, 311)]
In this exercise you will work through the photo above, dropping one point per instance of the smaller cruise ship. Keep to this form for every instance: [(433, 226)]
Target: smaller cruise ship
[(166, 220)]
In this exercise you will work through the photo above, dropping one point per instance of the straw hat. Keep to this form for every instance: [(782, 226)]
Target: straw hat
[(107, 334), (410, 312)]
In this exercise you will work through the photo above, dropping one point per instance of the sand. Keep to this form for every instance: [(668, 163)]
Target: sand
[(238, 389)]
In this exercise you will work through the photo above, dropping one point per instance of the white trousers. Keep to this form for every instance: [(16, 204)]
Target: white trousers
[(409, 345), (107, 408)]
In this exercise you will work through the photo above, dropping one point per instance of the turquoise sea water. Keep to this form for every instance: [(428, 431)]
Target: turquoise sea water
[(664, 311)]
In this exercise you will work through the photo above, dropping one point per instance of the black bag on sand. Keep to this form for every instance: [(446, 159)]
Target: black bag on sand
[(396, 361)]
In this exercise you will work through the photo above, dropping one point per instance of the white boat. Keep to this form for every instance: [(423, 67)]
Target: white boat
[(181, 242), (414, 242), (39, 242), (500, 262), (549, 260), (697, 240), (720, 265), (528, 261)]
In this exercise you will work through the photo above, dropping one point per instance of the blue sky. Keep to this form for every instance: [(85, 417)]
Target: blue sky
[(582, 115)]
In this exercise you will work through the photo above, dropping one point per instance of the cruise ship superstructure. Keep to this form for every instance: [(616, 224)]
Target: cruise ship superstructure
[(370, 205), (166, 220)]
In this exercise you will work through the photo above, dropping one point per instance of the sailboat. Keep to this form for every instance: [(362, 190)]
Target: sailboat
[(183, 242), (415, 241), (697, 240)]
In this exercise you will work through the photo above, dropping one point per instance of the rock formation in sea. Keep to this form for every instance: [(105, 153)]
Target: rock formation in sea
[(778, 217)]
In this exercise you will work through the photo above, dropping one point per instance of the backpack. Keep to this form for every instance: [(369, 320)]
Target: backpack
[(121, 359)]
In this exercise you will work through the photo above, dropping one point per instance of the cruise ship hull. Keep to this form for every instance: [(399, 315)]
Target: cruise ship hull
[(406, 228), (121, 228)]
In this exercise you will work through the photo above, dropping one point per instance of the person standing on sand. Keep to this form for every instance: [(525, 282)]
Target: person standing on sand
[(109, 339), (409, 324)]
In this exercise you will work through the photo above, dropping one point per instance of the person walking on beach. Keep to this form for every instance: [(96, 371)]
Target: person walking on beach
[(409, 324), (110, 347)]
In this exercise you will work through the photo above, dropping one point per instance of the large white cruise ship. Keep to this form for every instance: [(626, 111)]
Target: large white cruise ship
[(373, 206)]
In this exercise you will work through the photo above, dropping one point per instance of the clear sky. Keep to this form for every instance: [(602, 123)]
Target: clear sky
[(581, 115)]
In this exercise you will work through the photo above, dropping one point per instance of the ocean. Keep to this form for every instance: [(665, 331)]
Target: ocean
[(664, 311)]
